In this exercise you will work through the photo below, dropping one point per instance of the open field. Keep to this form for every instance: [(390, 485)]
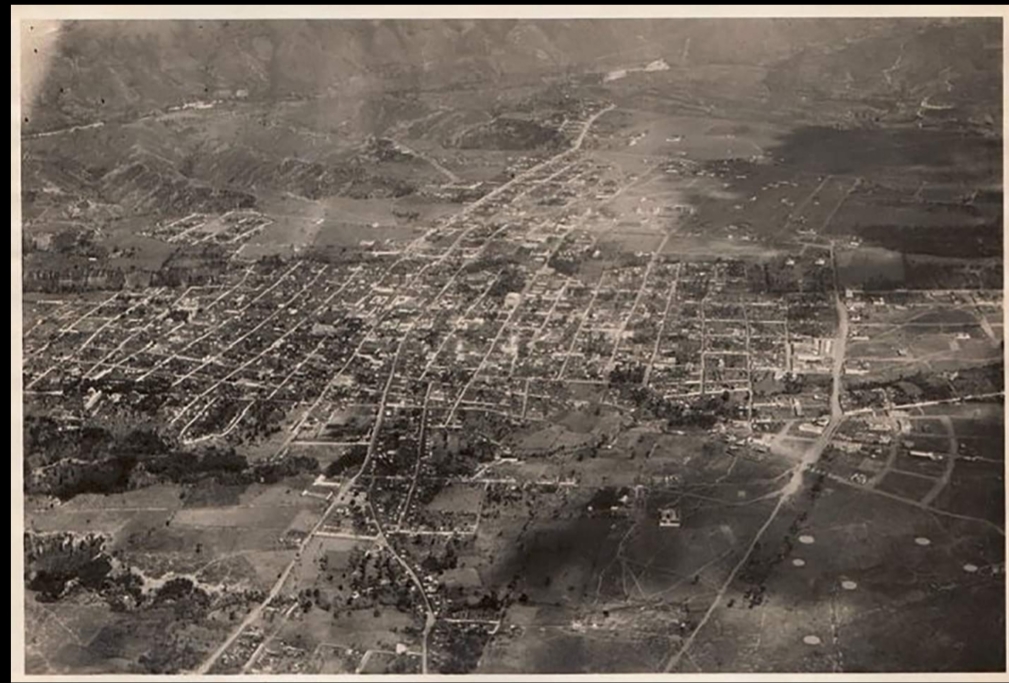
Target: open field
[(862, 569)]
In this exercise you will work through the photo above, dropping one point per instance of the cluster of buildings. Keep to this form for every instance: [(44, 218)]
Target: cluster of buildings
[(231, 229)]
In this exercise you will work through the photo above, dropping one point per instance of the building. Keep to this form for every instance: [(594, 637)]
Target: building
[(322, 330), (669, 517)]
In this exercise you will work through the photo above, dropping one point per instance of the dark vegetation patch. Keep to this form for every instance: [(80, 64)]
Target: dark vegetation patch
[(458, 649), (920, 386), (66, 462), (881, 270), (703, 413), (353, 458), (916, 191), (512, 279), (559, 561), (930, 273), (512, 134), (852, 151), (963, 241), (190, 266), (58, 566)]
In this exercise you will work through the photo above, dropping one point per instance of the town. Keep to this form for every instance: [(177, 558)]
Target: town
[(607, 376)]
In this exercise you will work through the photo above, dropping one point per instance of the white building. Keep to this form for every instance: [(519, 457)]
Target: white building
[(669, 517)]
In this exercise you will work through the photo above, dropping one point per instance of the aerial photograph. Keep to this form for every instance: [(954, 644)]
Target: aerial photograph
[(510, 346)]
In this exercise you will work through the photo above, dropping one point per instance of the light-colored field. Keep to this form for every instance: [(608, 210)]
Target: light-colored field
[(541, 440), (341, 233), (303, 522), (279, 495), (457, 498), (564, 649), (50, 626), (296, 223), (689, 248), (272, 517), (359, 629), (268, 564), (82, 521), (307, 571), (633, 241), (697, 138), (181, 541)]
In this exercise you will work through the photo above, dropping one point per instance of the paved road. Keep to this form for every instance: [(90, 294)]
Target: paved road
[(257, 611), (810, 457), (812, 454)]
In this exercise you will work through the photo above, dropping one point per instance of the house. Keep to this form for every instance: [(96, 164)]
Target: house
[(669, 517), (925, 454)]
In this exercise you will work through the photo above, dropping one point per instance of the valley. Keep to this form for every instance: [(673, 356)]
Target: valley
[(534, 361)]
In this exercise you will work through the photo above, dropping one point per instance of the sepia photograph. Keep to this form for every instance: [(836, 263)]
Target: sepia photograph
[(473, 342)]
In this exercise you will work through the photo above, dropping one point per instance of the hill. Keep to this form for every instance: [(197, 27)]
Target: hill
[(119, 70)]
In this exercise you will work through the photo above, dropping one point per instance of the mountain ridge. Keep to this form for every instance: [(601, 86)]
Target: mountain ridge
[(120, 69)]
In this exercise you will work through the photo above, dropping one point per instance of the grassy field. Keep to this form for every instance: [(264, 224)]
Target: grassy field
[(774, 182), (570, 648), (975, 489), (595, 580), (864, 573), (906, 485)]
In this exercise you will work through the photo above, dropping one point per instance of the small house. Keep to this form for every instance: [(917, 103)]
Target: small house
[(669, 517)]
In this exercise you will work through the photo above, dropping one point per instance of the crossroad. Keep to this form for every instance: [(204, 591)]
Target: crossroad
[(430, 619)]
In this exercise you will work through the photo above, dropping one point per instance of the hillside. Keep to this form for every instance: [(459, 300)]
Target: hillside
[(119, 70), (157, 120), (943, 65)]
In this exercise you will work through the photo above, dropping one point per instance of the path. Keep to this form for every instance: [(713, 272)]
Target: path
[(809, 459), (449, 175), (257, 611), (951, 452)]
